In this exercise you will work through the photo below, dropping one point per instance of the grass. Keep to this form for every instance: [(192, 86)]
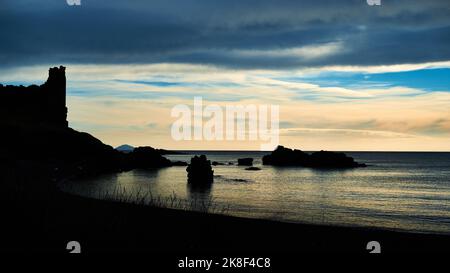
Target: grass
[(173, 201)]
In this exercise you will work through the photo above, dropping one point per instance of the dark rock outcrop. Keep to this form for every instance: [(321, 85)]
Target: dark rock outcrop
[(215, 163), (245, 161), (252, 169), (200, 171), (332, 160), (325, 159), (239, 180), (70, 152), (168, 152), (286, 157), (179, 163), (148, 157)]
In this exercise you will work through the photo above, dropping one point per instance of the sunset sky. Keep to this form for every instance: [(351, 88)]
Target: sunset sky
[(347, 76)]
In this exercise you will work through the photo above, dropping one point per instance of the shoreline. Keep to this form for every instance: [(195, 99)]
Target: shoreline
[(256, 235), (281, 221), (41, 218), (107, 226)]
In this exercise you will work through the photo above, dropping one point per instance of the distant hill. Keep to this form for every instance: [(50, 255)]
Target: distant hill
[(125, 148), (128, 149)]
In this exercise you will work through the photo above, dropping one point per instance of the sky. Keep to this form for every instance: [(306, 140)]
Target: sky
[(346, 75)]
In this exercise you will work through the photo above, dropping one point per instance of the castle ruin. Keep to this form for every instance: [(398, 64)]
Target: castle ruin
[(43, 105)]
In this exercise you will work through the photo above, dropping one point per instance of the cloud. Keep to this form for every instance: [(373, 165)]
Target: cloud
[(329, 65), (344, 133), (132, 103), (305, 53), (251, 34)]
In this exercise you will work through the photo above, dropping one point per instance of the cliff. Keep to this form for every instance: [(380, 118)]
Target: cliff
[(34, 128)]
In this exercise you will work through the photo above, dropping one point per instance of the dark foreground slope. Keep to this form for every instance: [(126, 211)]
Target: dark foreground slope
[(102, 226)]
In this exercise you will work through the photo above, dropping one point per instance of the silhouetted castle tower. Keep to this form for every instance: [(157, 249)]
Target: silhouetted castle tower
[(55, 88), (43, 105)]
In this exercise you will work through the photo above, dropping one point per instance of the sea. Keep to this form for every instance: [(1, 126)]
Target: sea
[(405, 191)]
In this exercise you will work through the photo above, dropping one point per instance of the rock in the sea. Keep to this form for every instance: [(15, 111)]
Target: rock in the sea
[(245, 161), (179, 163), (148, 157), (325, 159), (200, 171), (287, 157), (238, 180), (252, 169), (215, 163)]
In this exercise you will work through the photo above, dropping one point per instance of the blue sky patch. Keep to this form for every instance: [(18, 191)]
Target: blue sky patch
[(423, 79)]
